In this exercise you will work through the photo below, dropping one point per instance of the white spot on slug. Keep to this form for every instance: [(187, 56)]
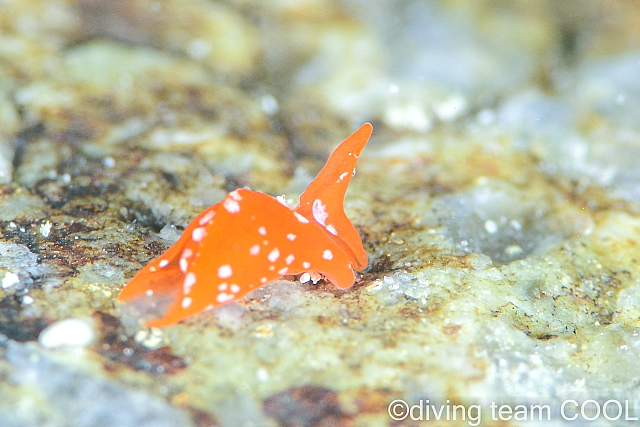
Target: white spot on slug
[(254, 250), (283, 271), (189, 281), (262, 231), (301, 218), (331, 229), (327, 254), (235, 195), (223, 287), (225, 271), (291, 236), (207, 217), (319, 211), (273, 255), (289, 259), (306, 264), (186, 302), (163, 263), (235, 288), (231, 205), (224, 297), (198, 234), (184, 264)]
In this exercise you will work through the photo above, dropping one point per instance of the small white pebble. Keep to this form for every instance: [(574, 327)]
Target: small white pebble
[(269, 104), (45, 229), (315, 277), (151, 339), (68, 333), (490, 226), (513, 250), (109, 162), (9, 280), (262, 375), (305, 277)]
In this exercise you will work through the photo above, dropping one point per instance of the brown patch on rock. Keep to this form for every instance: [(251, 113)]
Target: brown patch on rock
[(14, 325), (118, 348), (307, 406)]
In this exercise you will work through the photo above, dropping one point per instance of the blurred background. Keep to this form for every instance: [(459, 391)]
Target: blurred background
[(498, 200)]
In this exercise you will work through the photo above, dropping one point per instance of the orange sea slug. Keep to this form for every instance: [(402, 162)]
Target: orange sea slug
[(250, 238)]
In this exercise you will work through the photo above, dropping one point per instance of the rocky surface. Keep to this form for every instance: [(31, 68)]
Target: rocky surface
[(498, 200)]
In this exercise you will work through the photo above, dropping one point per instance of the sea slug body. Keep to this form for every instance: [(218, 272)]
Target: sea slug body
[(250, 238)]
